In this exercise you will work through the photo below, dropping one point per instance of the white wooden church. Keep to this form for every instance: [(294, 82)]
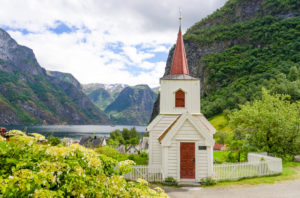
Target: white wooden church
[(180, 137)]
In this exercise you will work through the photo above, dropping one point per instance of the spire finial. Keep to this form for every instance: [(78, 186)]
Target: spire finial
[(180, 17), (179, 62)]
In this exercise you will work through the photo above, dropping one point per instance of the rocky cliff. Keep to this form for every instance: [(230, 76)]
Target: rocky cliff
[(240, 48), (30, 95)]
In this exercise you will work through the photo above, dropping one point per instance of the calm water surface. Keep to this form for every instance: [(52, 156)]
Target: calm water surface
[(74, 131)]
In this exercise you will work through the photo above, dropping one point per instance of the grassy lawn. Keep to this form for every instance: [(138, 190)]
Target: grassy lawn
[(220, 123), (220, 156), (291, 171)]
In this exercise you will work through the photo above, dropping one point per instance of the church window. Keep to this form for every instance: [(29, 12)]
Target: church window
[(179, 99)]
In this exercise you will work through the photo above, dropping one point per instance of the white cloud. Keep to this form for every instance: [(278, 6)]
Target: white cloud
[(151, 25)]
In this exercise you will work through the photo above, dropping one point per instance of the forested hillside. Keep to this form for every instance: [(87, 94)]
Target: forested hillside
[(246, 45)]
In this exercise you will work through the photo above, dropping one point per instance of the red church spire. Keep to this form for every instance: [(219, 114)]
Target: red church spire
[(179, 62)]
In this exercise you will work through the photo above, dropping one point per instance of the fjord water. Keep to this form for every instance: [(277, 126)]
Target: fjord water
[(74, 131)]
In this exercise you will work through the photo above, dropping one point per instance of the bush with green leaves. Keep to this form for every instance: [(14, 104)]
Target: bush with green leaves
[(37, 170), (54, 141), (207, 181), (170, 181)]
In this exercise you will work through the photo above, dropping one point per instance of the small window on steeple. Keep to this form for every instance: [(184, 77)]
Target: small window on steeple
[(179, 99)]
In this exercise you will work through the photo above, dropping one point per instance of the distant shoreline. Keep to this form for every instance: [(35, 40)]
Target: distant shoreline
[(73, 131)]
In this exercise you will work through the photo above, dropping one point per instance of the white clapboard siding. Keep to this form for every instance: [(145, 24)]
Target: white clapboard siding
[(172, 160), (202, 163), (155, 153), (188, 131)]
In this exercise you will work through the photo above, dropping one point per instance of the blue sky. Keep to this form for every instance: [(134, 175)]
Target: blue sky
[(102, 41)]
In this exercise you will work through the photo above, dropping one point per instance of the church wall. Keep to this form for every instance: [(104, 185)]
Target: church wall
[(187, 133), (167, 96), (155, 152)]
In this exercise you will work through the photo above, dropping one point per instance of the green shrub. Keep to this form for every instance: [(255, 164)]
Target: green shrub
[(54, 141), (207, 181), (37, 170), (170, 181), (131, 157), (144, 154)]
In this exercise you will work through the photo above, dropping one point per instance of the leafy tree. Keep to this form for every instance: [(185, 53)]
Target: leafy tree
[(271, 124), (289, 85), (222, 137), (133, 141), (126, 136), (116, 138), (293, 74), (134, 137), (113, 142)]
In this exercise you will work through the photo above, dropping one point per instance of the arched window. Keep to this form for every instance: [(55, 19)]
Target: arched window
[(179, 99)]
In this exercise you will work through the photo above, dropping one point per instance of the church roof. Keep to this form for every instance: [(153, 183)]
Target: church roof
[(169, 120), (179, 62), (179, 77), (200, 121)]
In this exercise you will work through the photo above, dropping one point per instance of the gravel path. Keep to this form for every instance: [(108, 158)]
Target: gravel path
[(288, 189)]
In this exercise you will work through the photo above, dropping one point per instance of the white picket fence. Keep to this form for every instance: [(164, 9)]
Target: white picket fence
[(257, 165), (151, 174)]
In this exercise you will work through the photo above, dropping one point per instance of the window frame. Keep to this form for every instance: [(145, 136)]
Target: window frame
[(180, 99)]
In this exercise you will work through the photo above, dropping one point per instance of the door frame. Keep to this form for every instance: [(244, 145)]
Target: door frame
[(178, 160)]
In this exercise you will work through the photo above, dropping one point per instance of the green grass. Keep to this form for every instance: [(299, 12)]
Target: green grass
[(291, 171), (220, 123), (113, 153), (220, 156)]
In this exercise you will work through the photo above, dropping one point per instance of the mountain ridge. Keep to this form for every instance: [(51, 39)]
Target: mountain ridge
[(31, 95), (133, 105)]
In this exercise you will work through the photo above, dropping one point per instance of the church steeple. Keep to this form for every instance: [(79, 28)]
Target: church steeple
[(179, 62)]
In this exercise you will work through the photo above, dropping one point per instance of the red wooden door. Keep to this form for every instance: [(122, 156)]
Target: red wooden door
[(187, 160)]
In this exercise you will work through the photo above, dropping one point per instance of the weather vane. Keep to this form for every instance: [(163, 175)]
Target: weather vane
[(180, 17)]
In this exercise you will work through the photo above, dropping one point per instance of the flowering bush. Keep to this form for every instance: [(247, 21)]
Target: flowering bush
[(37, 170), (38, 137), (15, 133)]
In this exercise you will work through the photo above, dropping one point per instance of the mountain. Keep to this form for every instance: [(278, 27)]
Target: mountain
[(133, 105), (113, 89), (156, 89), (122, 103), (31, 95), (238, 49), (103, 95)]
